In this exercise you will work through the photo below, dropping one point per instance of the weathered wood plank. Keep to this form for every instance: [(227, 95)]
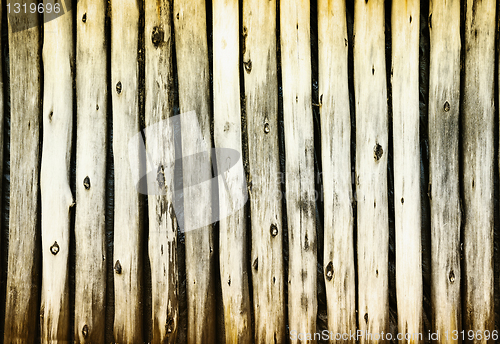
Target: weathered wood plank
[(21, 310), (193, 75), (162, 239), (444, 188), (299, 154), (128, 215), (478, 126), (405, 113), (371, 166), (227, 134), (91, 145), (261, 93), (56, 196), (336, 167)]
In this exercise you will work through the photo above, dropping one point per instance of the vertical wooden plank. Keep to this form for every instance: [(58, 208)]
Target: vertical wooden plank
[(227, 134), (91, 145), (371, 167), (336, 166), (194, 95), (128, 215), (478, 127), (299, 155), (406, 147), (57, 199), (444, 189), (261, 92), (162, 239), (21, 310)]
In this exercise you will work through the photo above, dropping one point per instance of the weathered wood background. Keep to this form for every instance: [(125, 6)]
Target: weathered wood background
[(368, 137)]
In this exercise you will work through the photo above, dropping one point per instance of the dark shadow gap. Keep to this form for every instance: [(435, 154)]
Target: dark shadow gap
[(352, 111), (281, 150), (110, 191), (393, 309), (72, 183), (321, 318), (424, 55), (245, 157), (146, 307)]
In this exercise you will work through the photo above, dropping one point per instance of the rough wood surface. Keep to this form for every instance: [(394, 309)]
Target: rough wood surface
[(127, 255), (227, 134), (371, 167), (261, 93), (91, 146), (299, 154), (56, 196), (162, 239), (478, 149), (22, 294), (193, 74), (444, 188), (338, 255), (406, 147)]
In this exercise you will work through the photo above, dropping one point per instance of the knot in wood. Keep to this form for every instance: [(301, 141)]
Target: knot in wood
[(266, 128), (446, 106), (84, 18), (86, 183), (85, 331), (160, 177), (169, 325), (377, 152), (157, 36), (54, 249), (274, 230), (248, 66), (452, 276), (119, 87), (118, 267), (329, 271), (256, 264)]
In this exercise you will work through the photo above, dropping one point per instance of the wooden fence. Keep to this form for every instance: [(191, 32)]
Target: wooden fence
[(368, 132)]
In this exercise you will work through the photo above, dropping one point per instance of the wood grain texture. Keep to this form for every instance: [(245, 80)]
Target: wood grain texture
[(193, 74), (299, 155), (56, 196), (21, 310), (127, 255), (162, 239), (338, 265), (371, 167), (261, 99), (406, 138), (227, 134), (91, 146), (478, 149), (444, 188)]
